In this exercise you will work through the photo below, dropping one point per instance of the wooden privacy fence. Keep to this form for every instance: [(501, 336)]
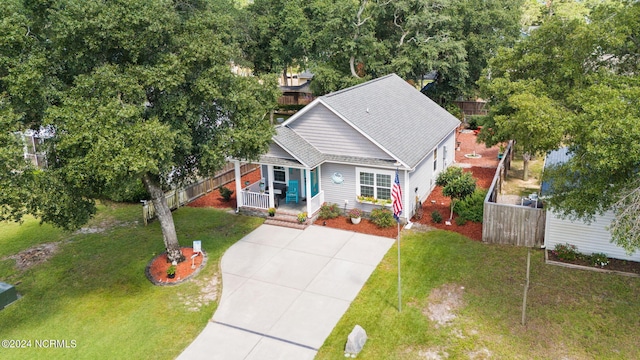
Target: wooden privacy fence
[(185, 195), (506, 223)]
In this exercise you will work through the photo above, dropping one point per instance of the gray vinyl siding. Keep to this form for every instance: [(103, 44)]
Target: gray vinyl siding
[(331, 135), (422, 178), (276, 151), (450, 144), (588, 238), (338, 193)]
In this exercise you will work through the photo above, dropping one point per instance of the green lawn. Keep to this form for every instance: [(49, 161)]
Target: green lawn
[(571, 314), (94, 291)]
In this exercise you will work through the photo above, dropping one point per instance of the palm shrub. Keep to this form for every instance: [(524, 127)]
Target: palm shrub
[(436, 216), (226, 193)]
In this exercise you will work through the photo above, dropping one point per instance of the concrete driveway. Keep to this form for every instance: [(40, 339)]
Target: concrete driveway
[(284, 290)]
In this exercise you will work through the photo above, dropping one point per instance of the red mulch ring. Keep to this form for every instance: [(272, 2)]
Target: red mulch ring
[(157, 268), (214, 199), (365, 226)]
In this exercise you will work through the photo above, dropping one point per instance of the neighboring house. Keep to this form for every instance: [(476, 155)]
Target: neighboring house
[(344, 148), (34, 149), (588, 238), (297, 90)]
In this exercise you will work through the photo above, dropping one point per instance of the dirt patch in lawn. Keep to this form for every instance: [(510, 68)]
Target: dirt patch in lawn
[(208, 293), (442, 304), (36, 255)]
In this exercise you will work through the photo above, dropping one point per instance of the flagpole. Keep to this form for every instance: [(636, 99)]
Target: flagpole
[(397, 212), (399, 281)]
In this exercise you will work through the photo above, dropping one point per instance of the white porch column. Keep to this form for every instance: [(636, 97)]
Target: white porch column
[(270, 185), (238, 176), (307, 186)]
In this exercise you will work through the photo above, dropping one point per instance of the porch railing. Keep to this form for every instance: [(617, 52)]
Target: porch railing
[(316, 202), (255, 199)]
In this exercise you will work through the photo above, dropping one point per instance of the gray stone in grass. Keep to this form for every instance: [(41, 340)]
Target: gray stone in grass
[(355, 341)]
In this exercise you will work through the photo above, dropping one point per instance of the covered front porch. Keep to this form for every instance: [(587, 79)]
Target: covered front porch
[(294, 188)]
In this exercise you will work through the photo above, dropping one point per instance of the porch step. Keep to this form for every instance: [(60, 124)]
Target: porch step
[(286, 218), (289, 224)]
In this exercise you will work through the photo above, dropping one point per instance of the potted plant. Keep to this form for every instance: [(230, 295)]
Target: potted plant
[(271, 211), (356, 215), (302, 217), (501, 152), (171, 271)]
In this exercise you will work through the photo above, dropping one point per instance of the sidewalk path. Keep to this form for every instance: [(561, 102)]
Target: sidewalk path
[(284, 291)]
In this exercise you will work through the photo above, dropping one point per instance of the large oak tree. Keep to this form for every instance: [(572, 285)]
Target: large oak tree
[(132, 89)]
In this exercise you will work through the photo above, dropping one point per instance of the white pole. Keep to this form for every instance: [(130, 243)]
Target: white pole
[(526, 288), (399, 282)]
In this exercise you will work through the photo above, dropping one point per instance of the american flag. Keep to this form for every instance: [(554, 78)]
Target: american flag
[(396, 198)]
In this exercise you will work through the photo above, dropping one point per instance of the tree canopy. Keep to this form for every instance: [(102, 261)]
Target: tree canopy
[(134, 90), (576, 83)]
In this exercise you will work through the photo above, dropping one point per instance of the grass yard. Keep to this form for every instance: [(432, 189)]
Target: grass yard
[(514, 185), (571, 314), (93, 289)]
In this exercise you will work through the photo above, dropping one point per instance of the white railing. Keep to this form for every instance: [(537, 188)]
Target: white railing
[(255, 199), (316, 202)]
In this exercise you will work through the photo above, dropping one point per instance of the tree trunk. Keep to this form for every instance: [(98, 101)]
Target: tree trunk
[(284, 75), (452, 206), (165, 218), (525, 166)]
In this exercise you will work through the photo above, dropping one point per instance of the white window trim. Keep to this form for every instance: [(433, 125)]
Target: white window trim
[(286, 175), (392, 174)]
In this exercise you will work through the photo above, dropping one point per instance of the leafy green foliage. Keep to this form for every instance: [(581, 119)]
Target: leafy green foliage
[(329, 211), (599, 259), (226, 193), (436, 216), (456, 184), (382, 217), (566, 251), (142, 91), (578, 89), (460, 221), (472, 207)]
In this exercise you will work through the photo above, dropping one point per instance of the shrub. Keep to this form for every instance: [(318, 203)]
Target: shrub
[(382, 217), (225, 193), (566, 251), (460, 221), (599, 259), (329, 211), (471, 208), (436, 216), (355, 213)]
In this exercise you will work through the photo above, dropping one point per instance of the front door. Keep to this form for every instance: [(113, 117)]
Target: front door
[(314, 182)]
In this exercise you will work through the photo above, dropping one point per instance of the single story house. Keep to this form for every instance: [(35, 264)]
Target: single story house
[(345, 147), (589, 238)]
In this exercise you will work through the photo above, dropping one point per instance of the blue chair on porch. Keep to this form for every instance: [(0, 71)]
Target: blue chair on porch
[(292, 191)]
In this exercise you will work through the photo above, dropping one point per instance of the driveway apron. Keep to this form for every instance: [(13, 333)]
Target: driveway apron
[(284, 290)]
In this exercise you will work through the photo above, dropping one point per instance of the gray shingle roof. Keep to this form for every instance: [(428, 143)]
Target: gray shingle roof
[(395, 115), (392, 113), (297, 146)]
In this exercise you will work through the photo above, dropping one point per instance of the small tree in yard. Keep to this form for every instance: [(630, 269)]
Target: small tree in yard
[(456, 185)]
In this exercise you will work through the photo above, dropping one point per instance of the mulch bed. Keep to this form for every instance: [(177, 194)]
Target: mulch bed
[(156, 270), (214, 199), (365, 226), (624, 266)]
